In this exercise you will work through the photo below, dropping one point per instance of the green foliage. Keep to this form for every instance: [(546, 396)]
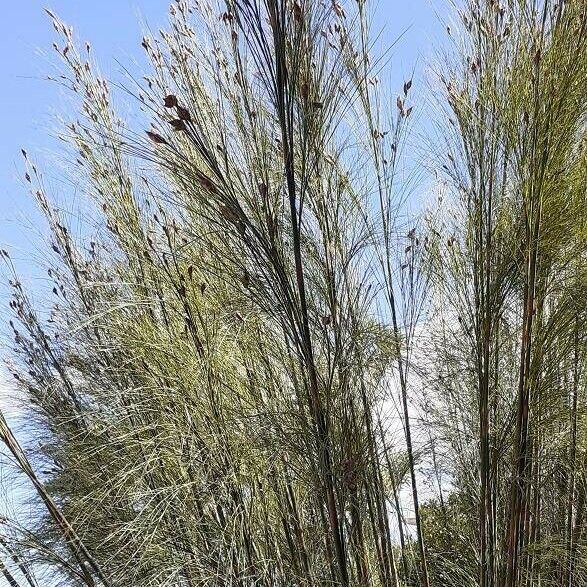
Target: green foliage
[(448, 528), (215, 388)]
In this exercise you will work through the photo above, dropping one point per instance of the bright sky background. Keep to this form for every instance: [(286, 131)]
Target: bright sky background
[(29, 103)]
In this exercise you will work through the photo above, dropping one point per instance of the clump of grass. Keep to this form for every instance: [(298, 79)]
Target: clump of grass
[(213, 376), (214, 389)]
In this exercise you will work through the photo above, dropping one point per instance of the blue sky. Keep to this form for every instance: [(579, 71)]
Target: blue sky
[(29, 103)]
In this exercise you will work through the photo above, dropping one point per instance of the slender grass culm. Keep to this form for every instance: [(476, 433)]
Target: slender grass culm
[(254, 370)]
